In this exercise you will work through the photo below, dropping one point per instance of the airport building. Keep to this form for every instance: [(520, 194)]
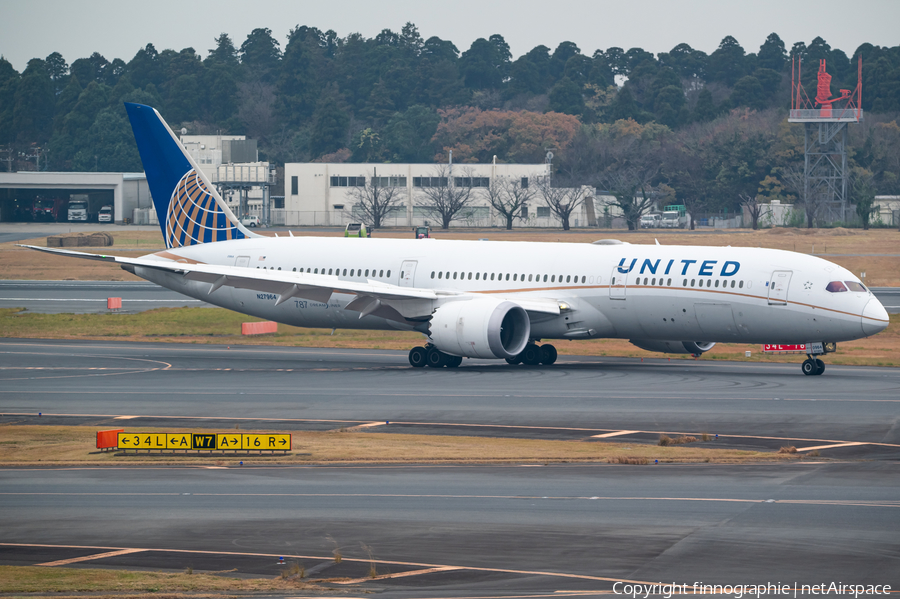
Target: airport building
[(324, 194), (35, 196), (231, 163)]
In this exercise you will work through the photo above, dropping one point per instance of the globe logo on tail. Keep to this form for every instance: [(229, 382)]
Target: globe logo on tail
[(194, 216)]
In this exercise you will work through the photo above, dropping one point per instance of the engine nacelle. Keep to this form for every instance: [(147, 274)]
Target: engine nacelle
[(674, 347), (480, 328)]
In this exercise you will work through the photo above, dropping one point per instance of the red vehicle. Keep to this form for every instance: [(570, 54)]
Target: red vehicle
[(46, 209)]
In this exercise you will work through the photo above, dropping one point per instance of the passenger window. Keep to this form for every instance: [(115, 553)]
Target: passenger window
[(613, 281), (692, 282), (583, 278), (669, 283), (345, 272), (717, 282), (381, 274), (317, 271), (441, 275), (741, 285), (515, 277), (545, 278), (492, 276), (529, 278), (401, 274), (709, 282), (507, 276), (295, 269), (553, 279), (454, 276), (854, 286), (367, 272), (653, 282), (389, 274), (569, 277)]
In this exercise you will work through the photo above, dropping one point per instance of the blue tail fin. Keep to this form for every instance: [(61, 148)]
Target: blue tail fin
[(187, 205)]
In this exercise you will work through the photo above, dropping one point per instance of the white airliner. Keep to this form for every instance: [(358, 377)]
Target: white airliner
[(488, 299)]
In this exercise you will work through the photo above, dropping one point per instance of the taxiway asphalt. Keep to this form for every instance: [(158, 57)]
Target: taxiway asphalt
[(462, 531)]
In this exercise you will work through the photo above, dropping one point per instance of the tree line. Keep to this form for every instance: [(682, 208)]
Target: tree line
[(701, 129)]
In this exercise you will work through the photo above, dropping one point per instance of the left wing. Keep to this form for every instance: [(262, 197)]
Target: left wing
[(409, 302)]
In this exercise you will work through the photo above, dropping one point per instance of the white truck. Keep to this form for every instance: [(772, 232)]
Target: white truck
[(105, 215), (78, 207), (673, 219), (650, 221)]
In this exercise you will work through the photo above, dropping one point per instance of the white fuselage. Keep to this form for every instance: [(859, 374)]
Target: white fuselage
[(690, 293)]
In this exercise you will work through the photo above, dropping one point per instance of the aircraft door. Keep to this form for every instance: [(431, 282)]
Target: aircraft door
[(778, 287), (618, 284), (408, 273), (242, 261)]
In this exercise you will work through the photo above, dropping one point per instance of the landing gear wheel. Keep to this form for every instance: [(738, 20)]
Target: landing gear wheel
[(548, 354), (454, 361), (516, 359), (809, 367), (417, 357), (531, 355), (436, 358), (820, 366)]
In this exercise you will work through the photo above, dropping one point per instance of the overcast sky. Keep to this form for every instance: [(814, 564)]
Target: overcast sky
[(119, 28)]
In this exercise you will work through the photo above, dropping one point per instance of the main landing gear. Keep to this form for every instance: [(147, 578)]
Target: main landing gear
[(432, 357), (812, 366), (534, 354)]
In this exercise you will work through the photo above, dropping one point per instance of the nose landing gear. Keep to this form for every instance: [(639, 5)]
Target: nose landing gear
[(812, 366)]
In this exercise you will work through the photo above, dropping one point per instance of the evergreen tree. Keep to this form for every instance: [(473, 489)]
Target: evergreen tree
[(329, 123), (261, 55), (772, 54), (9, 80), (566, 97), (727, 64), (34, 104)]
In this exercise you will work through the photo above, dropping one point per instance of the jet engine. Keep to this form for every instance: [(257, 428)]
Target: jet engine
[(480, 328), (674, 347)]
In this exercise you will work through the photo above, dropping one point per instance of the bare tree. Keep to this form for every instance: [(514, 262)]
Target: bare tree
[(810, 195), (562, 201), (375, 200), (631, 190), (508, 196), (755, 209), (446, 194), (256, 108)]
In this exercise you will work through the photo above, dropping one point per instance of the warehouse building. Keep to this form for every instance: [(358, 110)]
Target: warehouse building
[(323, 194)]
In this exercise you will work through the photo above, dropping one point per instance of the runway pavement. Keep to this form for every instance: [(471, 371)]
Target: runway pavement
[(477, 531), (89, 297)]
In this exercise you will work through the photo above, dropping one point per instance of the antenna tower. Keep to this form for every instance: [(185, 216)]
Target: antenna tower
[(825, 150)]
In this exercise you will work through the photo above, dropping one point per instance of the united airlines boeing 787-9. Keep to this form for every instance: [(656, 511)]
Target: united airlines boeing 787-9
[(489, 299)]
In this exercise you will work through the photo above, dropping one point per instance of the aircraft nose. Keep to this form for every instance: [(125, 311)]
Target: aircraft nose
[(874, 318)]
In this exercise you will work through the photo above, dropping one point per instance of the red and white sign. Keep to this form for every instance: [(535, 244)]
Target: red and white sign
[(799, 347)]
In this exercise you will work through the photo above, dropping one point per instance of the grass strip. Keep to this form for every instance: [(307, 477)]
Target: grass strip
[(220, 326), (37, 579), (39, 445)]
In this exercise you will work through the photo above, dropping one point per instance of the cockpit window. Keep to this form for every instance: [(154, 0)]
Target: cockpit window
[(835, 287), (854, 286)]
